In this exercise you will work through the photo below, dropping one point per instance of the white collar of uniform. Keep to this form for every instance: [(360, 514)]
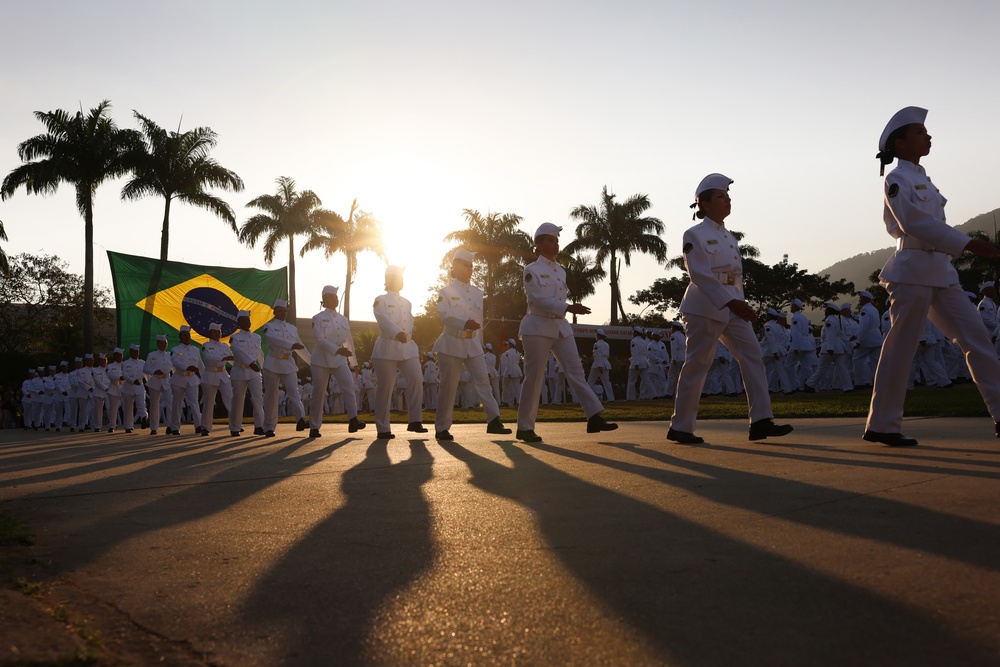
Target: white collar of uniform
[(458, 283), (910, 166), (547, 261), (715, 225)]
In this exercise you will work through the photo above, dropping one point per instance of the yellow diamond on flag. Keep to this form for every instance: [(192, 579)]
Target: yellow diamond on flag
[(200, 301)]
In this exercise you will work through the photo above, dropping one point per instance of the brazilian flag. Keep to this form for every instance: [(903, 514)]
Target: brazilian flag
[(156, 297)]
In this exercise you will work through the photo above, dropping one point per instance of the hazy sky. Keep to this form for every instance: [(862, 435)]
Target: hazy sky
[(419, 110)]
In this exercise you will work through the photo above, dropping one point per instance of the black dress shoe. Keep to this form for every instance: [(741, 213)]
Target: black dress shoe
[(110, 430), (314, 433), (301, 424), (890, 439), (416, 427), (597, 423), (152, 432), (204, 431), (355, 425), (234, 434), (384, 436), (996, 424), (683, 437), (128, 430), (258, 431), (145, 423), (809, 389), (764, 428), (497, 427), (527, 436), (444, 435), (268, 434)]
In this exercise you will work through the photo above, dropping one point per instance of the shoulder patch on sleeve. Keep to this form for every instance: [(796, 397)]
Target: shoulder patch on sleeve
[(440, 298), (375, 305), (893, 190), (527, 277), (687, 248)]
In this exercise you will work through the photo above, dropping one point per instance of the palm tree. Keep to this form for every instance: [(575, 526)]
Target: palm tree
[(85, 151), (176, 165), (498, 242), (4, 262), (360, 232), (615, 230), (287, 214), (582, 275)]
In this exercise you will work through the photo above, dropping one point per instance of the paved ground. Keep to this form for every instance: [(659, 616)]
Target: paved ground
[(614, 549)]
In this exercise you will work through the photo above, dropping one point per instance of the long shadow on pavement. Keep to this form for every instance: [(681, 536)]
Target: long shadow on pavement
[(706, 598), (319, 601)]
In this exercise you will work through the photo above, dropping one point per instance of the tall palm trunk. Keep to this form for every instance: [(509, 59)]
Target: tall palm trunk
[(614, 289), (88, 271), (165, 233), (291, 281), (351, 258)]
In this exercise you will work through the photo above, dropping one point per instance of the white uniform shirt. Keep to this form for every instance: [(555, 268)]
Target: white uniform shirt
[(602, 354), (157, 361), (713, 262), (491, 364), (214, 353), (181, 357), (545, 286), (458, 303), (988, 311), (870, 334), (510, 364), (280, 335), (393, 314), (637, 347), (914, 216), (802, 338), (116, 377), (772, 343), (832, 336), (333, 332), (132, 371), (246, 348), (678, 347)]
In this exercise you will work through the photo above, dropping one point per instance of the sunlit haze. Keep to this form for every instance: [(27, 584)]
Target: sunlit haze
[(419, 110)]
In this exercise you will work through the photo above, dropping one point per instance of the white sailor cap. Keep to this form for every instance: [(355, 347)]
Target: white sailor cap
[(677, 325), (831, 304), (782, 315), (972, 295), (184, 328), (88, 356), (215, 326), (865, 293), (162, 337), (600, 332), (63, 363), (512, 342), (32, 371), (798, 303), (988, 283), (464, 255), (118, 350), (52, 368), (655, 332), (772, 312), (80, 359), (134, 346), (429, 355), (901, 118), (330, 289), (547, 228), (845, 306), (637, 330), (489, 346), (243, 313), (279, 303), (393, 270), (712, 182)]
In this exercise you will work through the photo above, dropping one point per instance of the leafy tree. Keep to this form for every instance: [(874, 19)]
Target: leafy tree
[(974, 270), (582, 275), (616, 230), (360, 232), (84, 151), (286, 214), (41, 306), (501, 252), (176, 165)]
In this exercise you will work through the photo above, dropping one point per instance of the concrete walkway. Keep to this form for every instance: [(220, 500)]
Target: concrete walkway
[(615, 549)]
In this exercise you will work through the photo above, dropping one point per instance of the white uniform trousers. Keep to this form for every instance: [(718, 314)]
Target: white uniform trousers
[(958, 319), (129, 406), (430, 395), (97, 409), (702, 336), (602, 376), (178, 392), (385, 371), (451, 371), (536, 353), (511, 390), (113, 402), (208, 392), (290, 381), (79, 412), (163, 396), (240, 387), (55, 415), (640, 375), (673, 377), (802, 364), (321, 385), (776, 368), (38, 409), (835, 364), (865, 361)]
